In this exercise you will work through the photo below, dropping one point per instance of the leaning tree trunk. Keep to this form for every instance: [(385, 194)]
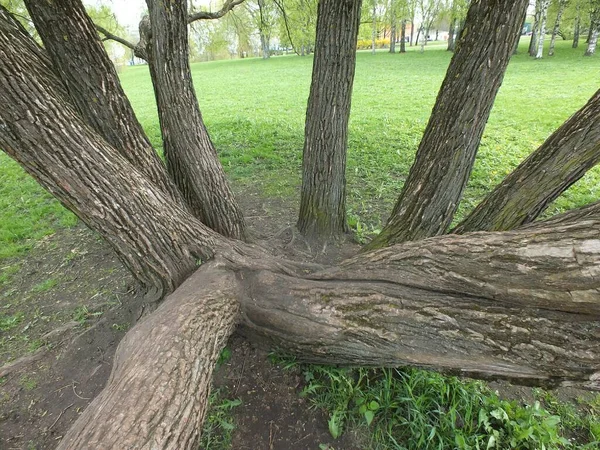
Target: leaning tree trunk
[(577, 28), (323, 196), (561, 9), (544, 16), (561, 160), (447, 151), (72, 43), (191, 157)]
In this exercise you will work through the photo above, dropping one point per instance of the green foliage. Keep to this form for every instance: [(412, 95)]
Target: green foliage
[(416, 409), (218, 425)]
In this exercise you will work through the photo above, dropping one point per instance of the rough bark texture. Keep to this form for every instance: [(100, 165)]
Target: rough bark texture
[(562, 4), (157, 393), (191, 157), (72, 43), (447, 151), (562, 159), (157, 240), (591, 47), (323, 196)]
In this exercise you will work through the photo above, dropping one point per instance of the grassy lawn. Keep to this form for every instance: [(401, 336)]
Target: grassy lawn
[(254, 110)]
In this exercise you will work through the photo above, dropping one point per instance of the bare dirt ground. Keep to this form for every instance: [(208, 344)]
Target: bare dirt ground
[(65, 306)]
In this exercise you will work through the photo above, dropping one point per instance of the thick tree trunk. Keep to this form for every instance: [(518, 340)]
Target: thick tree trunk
[(82, 64), (157, 393), (562, 159), (403, 37), (156, 239), (561, 9), (451, 33), (577, 28), (522, 306), (447, 151), (543, 18), (323, 196), (191, 157), (535, 33)]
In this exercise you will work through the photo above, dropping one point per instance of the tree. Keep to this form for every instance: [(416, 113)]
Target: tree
[(594, 25), (263, 16), (535, 30), (470, 304), (562, 4), (323, 195), (544, 4), (446, 154)]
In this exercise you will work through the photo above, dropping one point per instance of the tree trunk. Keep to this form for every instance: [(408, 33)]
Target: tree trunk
[(591, 47), (323, 196), (264, 44), (544, 17), (577, 28), (447, 151), (393, 27), (264, 35), (403, 37), (157, 240), (451, 32), (520, 306), (520, 34), (374, 30), (561, 9), (563, 159), (412, 29), (535, 30), (191, 157), (79, 59)]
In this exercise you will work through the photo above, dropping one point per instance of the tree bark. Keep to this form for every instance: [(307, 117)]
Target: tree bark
[(264, 34), (591, 47), (191, 157), (374, 28), (393, 27), (91, 80), (157, 240), (323, 196), (544, 17), (561, 9), (522, 306), (561, 160), (447, 151)]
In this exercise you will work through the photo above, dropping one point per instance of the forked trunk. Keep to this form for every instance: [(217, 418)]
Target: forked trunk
[(323, 196), (191, 157), (561, 160), (447, 151), (72, 43)]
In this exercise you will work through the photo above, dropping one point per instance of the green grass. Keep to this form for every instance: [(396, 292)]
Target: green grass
[(255, 110), (412, 409)]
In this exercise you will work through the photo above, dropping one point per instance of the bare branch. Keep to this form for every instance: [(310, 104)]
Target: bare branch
[(109, 35), (205, 15)]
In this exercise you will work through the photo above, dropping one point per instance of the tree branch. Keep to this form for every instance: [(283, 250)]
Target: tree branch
[(205, 15), (109, 35)]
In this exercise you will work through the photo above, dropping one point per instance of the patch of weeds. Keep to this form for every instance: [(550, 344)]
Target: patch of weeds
[(3, 380), (28, 383), (580, 421), (82, 315), (35, 345), (8, 272), (8, 322), (218, 425), (363, 232), (416, 409), (224, 357), (45, 286)]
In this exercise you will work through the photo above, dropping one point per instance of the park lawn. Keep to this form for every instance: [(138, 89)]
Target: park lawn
[(255, 110)]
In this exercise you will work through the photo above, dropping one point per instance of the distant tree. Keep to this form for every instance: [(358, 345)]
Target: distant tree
[(577, 27), (562, 4), (264, 17), (594, 6), (297, 24), (544, 4), (535, 29)]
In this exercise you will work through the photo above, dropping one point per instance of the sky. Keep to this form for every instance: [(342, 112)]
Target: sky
[(129, 12)]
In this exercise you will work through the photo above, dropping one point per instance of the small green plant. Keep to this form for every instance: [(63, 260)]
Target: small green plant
[(224, 357), (44, 286), (8, 322), (82, 314), (28, 383), (218, 425)]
